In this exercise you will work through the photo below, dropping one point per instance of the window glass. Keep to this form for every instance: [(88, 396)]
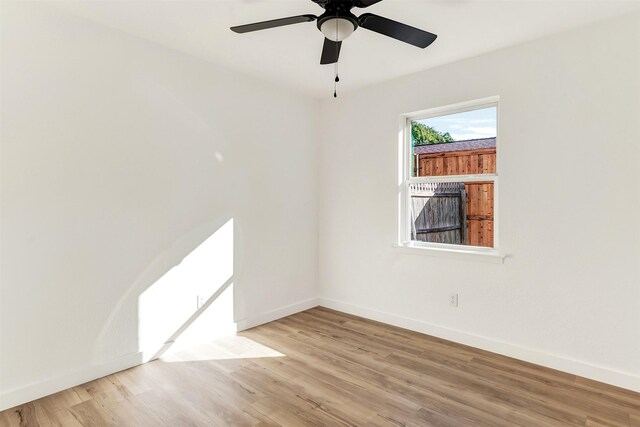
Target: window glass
[(449, 199), (455, 144)]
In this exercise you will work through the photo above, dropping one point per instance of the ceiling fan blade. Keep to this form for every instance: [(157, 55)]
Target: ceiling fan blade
[(396, 30), (273, 23), (364, 3), (321, 3), (330, 52)]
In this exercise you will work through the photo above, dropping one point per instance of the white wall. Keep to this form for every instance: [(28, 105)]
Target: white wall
[(118, 158), (568, 295)]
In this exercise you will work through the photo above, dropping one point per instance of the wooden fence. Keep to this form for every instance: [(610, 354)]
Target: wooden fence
[(476, 228), (438, 210), (479, 213), (467, 162)]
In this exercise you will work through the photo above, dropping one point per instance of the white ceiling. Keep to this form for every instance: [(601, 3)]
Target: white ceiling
[(290, 55)]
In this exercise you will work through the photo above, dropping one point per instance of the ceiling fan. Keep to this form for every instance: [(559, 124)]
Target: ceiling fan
[(337, 23)]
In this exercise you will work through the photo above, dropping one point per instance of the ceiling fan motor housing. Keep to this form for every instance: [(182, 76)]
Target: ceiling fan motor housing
[(335, 24)]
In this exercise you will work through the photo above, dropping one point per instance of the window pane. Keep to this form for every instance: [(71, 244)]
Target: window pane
[(452, 212), (455, 144)]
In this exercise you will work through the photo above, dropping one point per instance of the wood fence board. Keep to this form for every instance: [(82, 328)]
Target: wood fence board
[(436, 210)]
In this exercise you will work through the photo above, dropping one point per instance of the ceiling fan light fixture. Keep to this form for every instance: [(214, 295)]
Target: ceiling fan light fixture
[(337, 29)]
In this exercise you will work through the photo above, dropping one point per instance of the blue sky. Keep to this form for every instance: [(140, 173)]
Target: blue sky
[(469, 125)]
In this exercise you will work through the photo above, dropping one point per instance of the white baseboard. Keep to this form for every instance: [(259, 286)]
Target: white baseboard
[(14, 397), (576, 367), (276, 314), (18, 396)]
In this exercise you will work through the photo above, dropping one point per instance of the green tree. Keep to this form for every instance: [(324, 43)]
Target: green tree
[(422, 134)]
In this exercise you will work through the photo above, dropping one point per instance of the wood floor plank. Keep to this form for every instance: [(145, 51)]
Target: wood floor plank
[(448, 380), (326, 368), (356, 397), (406, 384), (337, 371)]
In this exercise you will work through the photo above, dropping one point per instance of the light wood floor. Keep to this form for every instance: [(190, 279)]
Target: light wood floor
[(321, 367)]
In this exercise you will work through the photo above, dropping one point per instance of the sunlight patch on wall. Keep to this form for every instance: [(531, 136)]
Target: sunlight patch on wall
[(192, 302)]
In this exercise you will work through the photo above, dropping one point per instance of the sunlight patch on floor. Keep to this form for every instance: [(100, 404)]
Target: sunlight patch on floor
[(225, 348)]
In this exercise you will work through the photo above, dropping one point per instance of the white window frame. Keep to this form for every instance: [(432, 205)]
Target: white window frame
[(406, 160)]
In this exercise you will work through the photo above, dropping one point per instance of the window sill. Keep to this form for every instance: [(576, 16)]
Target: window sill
[(487, 255)]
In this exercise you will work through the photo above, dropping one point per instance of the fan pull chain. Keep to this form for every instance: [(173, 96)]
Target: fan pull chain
[(335, 83), (337, 79)]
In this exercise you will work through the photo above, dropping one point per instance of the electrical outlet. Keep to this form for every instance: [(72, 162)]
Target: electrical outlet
[(453, 300), (200, 302)]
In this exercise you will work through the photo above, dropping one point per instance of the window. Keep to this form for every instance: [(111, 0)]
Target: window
[(450, 177)]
